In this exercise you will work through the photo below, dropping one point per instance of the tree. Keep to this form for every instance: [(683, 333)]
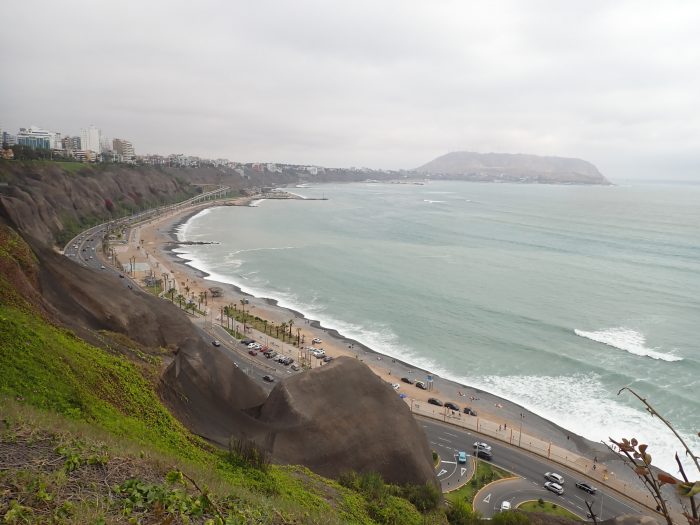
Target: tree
[(283, 326), (171, 293), (180, 299)]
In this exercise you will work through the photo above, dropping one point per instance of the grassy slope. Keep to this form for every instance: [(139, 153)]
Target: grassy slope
[(84, 390)]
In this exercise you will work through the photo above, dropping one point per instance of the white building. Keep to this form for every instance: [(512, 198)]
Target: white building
[(90, 139), (35, 137)]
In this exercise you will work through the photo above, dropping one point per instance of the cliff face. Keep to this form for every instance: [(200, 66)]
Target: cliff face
[(507, 167), (51, 201)]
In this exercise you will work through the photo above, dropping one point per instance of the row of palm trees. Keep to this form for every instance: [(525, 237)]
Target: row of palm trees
[(232, 312)]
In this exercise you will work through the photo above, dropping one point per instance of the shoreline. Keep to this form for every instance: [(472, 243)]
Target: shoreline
[(162, 236)]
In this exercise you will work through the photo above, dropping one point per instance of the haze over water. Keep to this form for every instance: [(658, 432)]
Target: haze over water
[(552, 296)]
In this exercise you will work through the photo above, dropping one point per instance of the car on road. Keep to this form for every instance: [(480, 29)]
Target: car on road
[(252, 352), (461, 457), (484, 454), (247, 341), (553, 476), (505, 506), (480, 445), (121, 275), (270, 355), (469, 411), (451, 406), (102, 267), (586, 487), (327, 359), (435, 401), (421, 385), (407, 380), (215, 342), (395, 386), (268, 379), (316, 340), (554, 487)]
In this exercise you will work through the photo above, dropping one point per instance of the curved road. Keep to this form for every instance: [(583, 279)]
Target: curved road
[(530, 484)]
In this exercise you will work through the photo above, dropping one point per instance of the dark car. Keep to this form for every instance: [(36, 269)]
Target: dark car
[(451, 406), (586, 487), (270, 355), (485, 454), (407, 380), (435, 401), (269, 379), (421, 385), (469, 411), (252, 352), (247, 341), (327, 359)]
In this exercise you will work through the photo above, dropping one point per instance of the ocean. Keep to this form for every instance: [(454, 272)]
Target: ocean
[(554, 297)]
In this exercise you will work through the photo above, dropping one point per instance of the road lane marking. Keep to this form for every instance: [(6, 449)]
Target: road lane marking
[(450, 462), (463, 470), (487, 499), (443, 471)]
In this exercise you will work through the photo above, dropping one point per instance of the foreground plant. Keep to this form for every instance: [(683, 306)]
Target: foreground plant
[(639, 459)]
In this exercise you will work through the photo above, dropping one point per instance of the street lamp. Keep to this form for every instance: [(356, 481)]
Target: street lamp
[(520, 433)]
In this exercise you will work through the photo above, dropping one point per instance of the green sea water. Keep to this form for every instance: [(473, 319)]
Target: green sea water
[(552, 296)]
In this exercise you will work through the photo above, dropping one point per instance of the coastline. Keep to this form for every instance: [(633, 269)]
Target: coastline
[(160, 239)]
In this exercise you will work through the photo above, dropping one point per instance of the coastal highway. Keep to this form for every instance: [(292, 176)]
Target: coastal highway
[(530, 469)]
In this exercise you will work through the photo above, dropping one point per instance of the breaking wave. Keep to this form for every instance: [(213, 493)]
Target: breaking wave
[(628, 340)]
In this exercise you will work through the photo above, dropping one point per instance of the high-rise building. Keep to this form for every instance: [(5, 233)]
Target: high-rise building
[(37, 138), (90, 139), (71, 143), (124, 148), (8, 139)]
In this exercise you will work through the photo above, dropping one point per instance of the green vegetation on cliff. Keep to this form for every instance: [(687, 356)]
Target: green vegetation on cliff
[(84, 438)]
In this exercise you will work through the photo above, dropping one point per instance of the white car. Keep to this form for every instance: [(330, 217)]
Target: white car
[(505, 506), (553, 476), (482, 446), (554, 487), (396, 386), (316, 340)]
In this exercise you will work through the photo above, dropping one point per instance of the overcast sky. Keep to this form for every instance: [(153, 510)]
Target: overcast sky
[(383, 84)]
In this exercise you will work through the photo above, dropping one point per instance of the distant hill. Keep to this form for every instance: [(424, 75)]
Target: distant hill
[(508, 167)]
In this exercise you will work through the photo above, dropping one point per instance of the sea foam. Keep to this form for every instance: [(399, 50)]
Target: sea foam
[(628, 340)]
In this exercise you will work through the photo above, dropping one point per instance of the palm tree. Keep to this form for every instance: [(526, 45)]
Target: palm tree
[(289, 324), (180, 298), (171, 292), (283, 326), (298, 336), (205, 297), (265, 324)]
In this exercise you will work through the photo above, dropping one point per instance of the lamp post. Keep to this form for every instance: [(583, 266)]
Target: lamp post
[(520, 433)]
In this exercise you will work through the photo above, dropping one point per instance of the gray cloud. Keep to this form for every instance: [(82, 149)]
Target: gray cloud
[(381, 84)]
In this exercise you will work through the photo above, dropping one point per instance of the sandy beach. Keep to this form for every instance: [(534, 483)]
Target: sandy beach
[(150, 245)]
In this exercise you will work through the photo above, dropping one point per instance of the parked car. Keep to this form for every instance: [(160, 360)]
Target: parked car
[(469, 411), (270, 355), (395, 386), (451, 406), (216, 342), (407, 380), (269, 379), (553, 476), (316, 340), (586, 487), (554, 487), (327, 359), (505, 506), (421, 385), (480, 445), (295, 367), (252, 352), (247, 341), (461, 457), (435, 401)]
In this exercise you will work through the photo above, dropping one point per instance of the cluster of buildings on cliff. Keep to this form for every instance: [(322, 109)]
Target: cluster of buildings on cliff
[(90, 146)]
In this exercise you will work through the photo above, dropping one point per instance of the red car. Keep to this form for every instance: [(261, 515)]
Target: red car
[(252, 352)]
